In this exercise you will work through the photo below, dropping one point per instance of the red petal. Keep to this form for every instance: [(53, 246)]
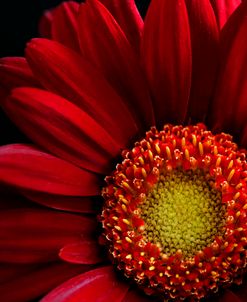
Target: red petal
[(64, 24), (223, 9), (62, 128), (45, 24), (26, 167), (37, 283), (82, 252), (97, 285), (231, 90), (230, 30), (128, 17), (15, 72), (65, 203), (167, 58), (205, 40), (12, 271), (71, 76), (135, 295), (121, 69), (29, 236), (12, 200)]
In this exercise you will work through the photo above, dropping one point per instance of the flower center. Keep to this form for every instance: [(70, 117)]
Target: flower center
[(183, 212), (175, 212)]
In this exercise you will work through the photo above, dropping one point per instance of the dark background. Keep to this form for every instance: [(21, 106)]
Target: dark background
[(19, 20), (18, 24)]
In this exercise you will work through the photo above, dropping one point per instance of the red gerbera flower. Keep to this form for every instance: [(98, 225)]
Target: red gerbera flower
[(174, 216)]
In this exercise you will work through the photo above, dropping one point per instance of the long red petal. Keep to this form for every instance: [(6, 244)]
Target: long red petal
[(64, 26), (205, 47), (223, 10), (37, 283), (65, 72), (62, 128), (97, 285), (34, 236), (121, 69), (15, 72), (26, 167), (231, 90), (82, 252), (128, 17), (167, 58), (87, 205), (230, 30)]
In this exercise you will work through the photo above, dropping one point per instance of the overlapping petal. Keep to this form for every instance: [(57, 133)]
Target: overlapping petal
[(82, 252), (62, 128), (26, 167), (223, 10), (36, 236), (205, 47), (83, 288), (115, 57), (231, 89), (38, 281), (128, 17), (64, 72), (15, 72), (64, 27), (167, 58), (87, 205)]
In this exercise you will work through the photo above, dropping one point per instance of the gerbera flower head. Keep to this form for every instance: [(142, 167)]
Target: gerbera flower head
[(174, 209)]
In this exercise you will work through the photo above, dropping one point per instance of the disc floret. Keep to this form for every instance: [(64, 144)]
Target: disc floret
[(145, 247)]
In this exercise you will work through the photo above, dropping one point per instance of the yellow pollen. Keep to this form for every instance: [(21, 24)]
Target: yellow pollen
[(128, 239), (231, 175), (183, 213), (194, 140), (200, 148), (168, 152)]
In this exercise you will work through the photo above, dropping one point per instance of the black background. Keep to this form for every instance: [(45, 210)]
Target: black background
[(18, 24), (19, 20)]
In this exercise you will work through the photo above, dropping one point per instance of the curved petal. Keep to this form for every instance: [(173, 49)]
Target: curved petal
[(26, 167), (38, 282), (167, 57), (62, 128), (34, 236), (229, 31), (83, 288), (64, 28), (231, 90), (121, 69), (15, 72), (205, 47), (82, 252), (65, 203), (128, 17), (223, 10), (45, 23), (68, 74)]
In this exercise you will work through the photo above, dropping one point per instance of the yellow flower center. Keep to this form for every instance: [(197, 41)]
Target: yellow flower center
[(183, 212)]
